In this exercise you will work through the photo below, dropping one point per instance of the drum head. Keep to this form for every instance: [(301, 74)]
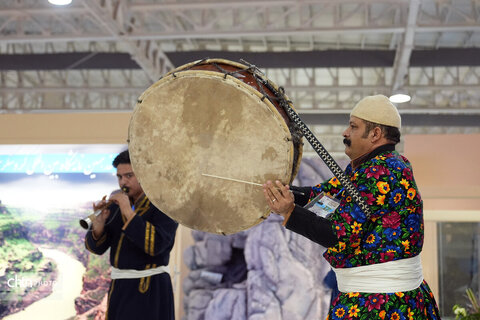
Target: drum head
[(199, 122)]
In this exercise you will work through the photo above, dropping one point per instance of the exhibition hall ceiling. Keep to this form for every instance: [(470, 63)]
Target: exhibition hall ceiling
[(100, 55)]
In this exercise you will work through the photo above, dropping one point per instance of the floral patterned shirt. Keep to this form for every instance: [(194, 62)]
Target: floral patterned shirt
[(394, 231)]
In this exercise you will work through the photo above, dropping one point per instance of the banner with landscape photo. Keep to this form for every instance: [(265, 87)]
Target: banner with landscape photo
[(45, 270)]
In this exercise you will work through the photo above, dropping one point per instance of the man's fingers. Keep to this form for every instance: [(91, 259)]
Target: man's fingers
[(267, 189), (284, 189), (267, 196), (275, 192)]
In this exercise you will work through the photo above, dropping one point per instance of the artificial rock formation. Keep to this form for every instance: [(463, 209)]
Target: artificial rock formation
[(266, 272)]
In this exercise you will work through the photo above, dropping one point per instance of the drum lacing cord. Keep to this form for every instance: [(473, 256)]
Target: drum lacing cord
[(282, 101), (220, 69), (261, 83), (200, 62), (231, 73)]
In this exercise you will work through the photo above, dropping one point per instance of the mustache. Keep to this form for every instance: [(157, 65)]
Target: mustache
[(347, 142)]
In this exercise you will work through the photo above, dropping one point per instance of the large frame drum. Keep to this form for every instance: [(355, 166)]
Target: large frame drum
[(211, 117)]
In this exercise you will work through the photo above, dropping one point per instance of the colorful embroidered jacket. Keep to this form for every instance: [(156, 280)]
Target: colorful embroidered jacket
[(394, 231), (145, 242)]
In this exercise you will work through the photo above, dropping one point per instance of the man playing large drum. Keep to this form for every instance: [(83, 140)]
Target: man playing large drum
[(376, 259)]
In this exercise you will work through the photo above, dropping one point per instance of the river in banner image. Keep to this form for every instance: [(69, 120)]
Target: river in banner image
[(60, 304)]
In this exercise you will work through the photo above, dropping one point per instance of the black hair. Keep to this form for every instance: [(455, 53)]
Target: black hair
[(122, 158), (392, 134)]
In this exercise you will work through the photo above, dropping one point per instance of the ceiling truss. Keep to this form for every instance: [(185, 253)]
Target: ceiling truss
[(151, 32)]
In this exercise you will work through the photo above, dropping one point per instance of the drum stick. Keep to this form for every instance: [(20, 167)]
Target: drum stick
[(247, 182)]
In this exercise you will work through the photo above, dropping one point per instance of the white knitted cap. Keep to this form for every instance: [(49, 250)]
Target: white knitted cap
[(377, 109)]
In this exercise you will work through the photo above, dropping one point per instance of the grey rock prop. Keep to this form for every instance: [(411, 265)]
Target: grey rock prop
[(284, 272)]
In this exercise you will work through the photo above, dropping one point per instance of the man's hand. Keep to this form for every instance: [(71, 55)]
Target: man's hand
[(98, 223), (123, 201), (279, 198)]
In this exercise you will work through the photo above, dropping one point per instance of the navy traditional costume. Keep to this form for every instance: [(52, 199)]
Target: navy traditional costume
[(140, 288)]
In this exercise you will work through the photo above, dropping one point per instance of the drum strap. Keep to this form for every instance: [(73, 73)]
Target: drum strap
[(328, 159), (314, 142)]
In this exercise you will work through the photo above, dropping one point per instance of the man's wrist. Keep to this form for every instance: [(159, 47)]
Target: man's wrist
[(287, 215), (96, 235)]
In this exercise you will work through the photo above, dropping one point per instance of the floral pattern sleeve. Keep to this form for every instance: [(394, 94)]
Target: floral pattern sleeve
[(330, 187), (393, 232)]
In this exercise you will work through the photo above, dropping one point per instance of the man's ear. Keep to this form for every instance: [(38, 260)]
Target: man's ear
[(376, 134)]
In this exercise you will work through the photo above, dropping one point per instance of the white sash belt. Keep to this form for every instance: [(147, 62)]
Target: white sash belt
[(133, 274), (393, 276)]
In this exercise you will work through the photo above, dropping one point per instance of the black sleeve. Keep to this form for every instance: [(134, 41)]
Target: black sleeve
[(311, 226), (301, 199), (101, 245), (97, 246)]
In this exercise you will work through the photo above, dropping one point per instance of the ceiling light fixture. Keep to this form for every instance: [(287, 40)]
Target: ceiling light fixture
[(399, 98), (60, 2)]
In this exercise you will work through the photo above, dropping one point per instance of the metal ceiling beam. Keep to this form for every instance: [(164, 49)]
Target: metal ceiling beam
[(31, 26), (217, 20), (408, 120), (418, 119), (147, 54), (124, 98), (290, 89), (190, 35), (302, 59), (404, 50), (317, 90), (74, 90)]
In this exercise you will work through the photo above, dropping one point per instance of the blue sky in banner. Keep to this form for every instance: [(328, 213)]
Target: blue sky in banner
[(57, 163), (48, 159), (46, 177)]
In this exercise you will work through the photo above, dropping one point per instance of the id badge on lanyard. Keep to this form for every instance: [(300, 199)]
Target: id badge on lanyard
[(323, 205)]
